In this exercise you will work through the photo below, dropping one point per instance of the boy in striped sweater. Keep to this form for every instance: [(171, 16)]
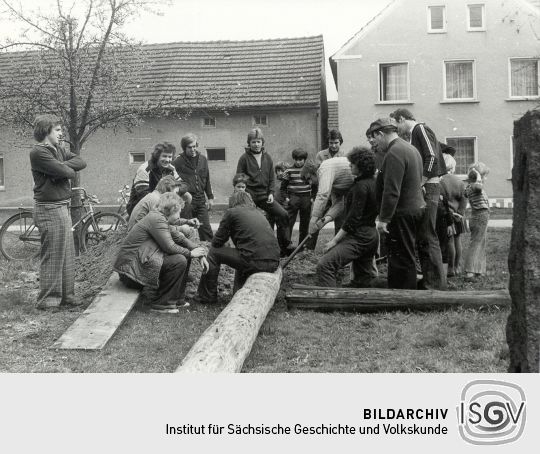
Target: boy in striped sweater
[(296, 189)]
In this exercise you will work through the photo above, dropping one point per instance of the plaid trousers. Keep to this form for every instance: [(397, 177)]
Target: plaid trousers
[(57, 264)]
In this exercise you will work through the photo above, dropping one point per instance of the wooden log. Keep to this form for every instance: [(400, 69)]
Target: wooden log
[(226, 344), (523, 327), (371, 299)]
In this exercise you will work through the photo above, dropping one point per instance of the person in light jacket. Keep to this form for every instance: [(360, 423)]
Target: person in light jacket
[(156, 257)]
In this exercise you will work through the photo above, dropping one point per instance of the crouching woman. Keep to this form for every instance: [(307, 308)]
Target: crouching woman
[(156, 258)]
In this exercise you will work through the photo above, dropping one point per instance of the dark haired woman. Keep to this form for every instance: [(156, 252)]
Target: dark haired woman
[(52, 169), (357, 239)]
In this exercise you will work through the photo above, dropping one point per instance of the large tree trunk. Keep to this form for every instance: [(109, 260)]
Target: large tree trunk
[(374, 299), (522, 330), (226, 344)]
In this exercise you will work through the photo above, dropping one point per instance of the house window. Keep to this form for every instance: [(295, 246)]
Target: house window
[(459, 80), (465, 152), (2, 181), (524, 77), (209, 122), (215, 154), (393, 82), (137, 157), (476, 17), (260, 120), (436, 19)]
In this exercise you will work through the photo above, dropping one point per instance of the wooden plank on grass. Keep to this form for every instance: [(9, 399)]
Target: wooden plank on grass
[(98, 323), (374, 299), (226, 344)]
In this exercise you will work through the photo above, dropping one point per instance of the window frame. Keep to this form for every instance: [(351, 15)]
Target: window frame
[(476, 29), (523, 97), (132, 161), (475, 93), (216, 148), (395, 101), (436, 30), (209, 126), (259, 115), (475, 151), (3, 172)]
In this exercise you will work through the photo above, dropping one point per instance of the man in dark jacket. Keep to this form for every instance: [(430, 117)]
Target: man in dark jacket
[(425, 141), (192, 167), (256, 248), (257, 164), (399, 193)]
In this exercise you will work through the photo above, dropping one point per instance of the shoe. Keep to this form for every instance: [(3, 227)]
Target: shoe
[(49, 302), (164, 308), (198, 300), (165, 311), (71, 301), (286, 252)]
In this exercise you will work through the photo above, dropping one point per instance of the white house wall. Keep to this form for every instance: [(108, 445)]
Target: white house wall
[(107, 153), (401, 35)]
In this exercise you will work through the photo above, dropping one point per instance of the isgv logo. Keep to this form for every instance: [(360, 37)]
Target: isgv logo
[(491, 412)]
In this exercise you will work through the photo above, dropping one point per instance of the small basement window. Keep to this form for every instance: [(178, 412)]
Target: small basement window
[(260, 120), (215, 154), (209, 122), (137, 157)]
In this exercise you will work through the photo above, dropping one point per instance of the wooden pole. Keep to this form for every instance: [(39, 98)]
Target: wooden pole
[(226, 344), (372, 299), (523, 327)]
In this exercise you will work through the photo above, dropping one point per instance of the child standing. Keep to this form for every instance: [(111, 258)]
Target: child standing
[(297, 192), (475, 260), (257, 164)]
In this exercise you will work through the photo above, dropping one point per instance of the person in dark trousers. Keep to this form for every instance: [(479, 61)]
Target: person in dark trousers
[(52, 169), (297, 192), (155, 258), (257, 164), (425, 141), (192, 167), (357, 239), (256, 249), (399, 195)]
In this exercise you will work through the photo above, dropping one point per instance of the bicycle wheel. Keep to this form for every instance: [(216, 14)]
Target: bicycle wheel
[(19, 237), (98, 227)]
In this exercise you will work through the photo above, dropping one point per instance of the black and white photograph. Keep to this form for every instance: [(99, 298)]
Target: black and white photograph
[(269, 187)]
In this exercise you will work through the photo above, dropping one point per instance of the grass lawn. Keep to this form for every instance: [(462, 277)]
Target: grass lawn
[(459, 340)]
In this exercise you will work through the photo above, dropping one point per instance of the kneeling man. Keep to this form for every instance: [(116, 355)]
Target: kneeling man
[(357, 239), (256, 248)]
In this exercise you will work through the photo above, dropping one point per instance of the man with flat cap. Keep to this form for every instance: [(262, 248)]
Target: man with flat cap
[(399, 193)]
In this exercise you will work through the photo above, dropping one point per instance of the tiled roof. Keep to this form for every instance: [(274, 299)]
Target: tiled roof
[(333, 119), (249, 73), (235, 74)]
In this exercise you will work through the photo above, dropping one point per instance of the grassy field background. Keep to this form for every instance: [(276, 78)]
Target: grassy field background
[(459, 340)]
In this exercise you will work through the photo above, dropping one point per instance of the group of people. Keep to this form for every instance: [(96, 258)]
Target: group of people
[(401, 188)]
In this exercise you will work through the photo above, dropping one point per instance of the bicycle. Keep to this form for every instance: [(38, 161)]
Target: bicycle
[(123, 199), (20, 238)]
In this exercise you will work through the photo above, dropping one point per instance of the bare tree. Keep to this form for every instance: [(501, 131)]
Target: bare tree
[(75, 61)]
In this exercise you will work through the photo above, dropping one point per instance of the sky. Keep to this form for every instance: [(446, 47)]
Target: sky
[(210, 20)]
